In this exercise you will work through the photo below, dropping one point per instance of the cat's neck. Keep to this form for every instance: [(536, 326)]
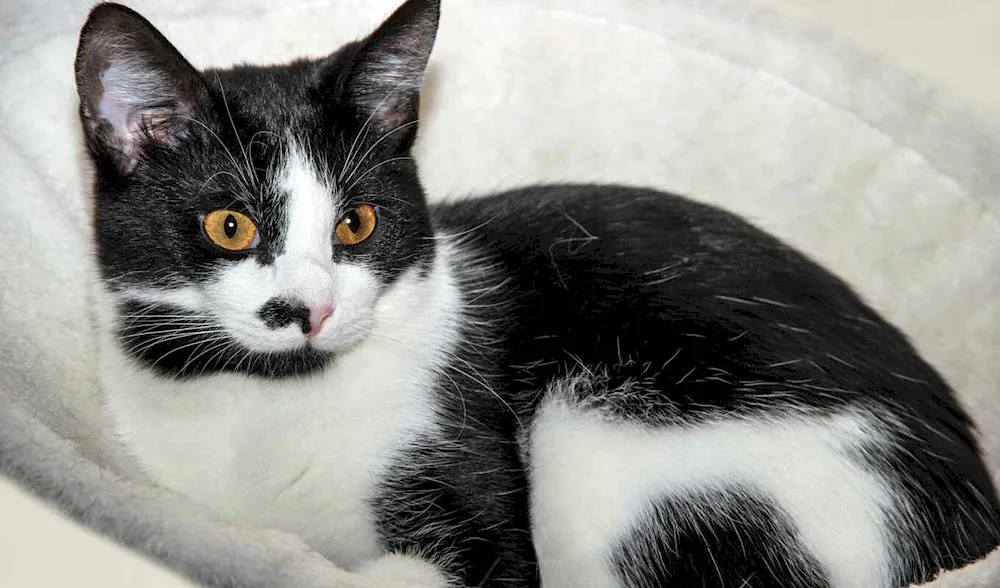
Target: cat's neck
[(227, 435)]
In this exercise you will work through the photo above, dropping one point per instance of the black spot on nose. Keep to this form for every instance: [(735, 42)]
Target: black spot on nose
[(280, 312)]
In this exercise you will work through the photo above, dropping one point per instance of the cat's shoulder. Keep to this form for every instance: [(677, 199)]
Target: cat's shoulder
[(621, 217), (555, 198)]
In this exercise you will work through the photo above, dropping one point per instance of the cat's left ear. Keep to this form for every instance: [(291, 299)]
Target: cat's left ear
[(382, 80), (136, 90)]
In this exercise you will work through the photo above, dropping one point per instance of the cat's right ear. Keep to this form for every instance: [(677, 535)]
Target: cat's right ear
[(382, 78), (135, 88)]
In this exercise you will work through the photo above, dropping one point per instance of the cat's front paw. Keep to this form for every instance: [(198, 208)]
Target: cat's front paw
[(405, 571)]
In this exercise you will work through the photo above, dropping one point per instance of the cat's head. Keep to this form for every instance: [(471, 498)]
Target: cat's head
[(249, 220)]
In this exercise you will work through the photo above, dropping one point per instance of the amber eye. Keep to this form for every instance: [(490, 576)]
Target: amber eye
[(357, 225), (231, 230)]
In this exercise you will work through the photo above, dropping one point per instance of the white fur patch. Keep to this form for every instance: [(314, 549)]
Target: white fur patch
[(302, 455), (310, 211), (591, 478), (403, 571)]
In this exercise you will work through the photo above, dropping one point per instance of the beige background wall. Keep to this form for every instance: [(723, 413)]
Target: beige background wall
[(956, 42)]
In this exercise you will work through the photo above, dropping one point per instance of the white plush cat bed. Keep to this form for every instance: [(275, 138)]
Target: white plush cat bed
[(869, 169)]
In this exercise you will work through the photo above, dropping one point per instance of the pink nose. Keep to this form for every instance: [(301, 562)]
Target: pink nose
[(317, 316)]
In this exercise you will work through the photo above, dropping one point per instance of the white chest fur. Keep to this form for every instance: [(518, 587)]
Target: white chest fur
[(301, 455)]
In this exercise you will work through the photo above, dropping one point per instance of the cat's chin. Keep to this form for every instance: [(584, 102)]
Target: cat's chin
[(297, 362), (300, 362)]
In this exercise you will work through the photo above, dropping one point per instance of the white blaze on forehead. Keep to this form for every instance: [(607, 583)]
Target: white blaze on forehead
[(310, 207)]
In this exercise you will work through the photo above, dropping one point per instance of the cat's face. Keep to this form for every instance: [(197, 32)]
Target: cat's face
[(253, 220)]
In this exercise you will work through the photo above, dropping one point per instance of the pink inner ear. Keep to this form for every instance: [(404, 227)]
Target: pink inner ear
[(135, 101), (123, 93)]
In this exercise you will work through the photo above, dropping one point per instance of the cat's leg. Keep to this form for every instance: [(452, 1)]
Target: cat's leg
[(619, 499), (397, 570)]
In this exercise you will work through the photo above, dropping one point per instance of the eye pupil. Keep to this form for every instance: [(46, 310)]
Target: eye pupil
[(230, 226), (353, 222)]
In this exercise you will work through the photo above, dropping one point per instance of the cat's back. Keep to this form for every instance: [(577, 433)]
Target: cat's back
[(657, 311), (615, 272), (625, 233), (650, 265)]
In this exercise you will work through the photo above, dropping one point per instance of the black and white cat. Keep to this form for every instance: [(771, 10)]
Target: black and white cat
[(574, 386)]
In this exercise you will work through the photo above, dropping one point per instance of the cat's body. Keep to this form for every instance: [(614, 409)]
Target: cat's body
[(583, 385)]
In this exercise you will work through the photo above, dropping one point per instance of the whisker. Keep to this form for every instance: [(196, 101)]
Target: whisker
[(232, 158), (165, 329), (208, 348), (373, 168), (376, 144), (364, 130), (140, 347), (236, 133), (223, 347), (185, 346), (212, 177), (445, 236)]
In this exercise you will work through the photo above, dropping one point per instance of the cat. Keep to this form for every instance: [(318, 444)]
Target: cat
[(560, 385)]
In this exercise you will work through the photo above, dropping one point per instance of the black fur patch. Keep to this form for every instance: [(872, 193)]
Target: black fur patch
[(189, 345), (715, 539), (278, 313)]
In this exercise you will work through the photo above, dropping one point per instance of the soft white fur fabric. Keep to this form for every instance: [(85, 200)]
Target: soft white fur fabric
[(871, 170)]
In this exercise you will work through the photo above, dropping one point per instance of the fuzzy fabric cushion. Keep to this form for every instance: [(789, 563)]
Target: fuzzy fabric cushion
[(984, 573), (871, 170)]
